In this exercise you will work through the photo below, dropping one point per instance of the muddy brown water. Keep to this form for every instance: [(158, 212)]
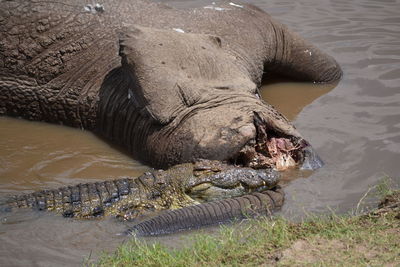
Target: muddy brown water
[(355, 128)]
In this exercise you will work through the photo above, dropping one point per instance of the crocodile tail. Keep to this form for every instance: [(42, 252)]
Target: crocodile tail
[(211, 213), (81, 201)]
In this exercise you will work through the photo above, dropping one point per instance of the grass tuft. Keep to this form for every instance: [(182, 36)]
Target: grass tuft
[(370, 239)]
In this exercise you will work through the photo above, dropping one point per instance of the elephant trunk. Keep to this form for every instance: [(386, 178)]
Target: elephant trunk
[(297, 58), (211, 213)]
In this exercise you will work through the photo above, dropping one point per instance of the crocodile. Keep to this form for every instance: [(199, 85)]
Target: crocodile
[(203, 185)]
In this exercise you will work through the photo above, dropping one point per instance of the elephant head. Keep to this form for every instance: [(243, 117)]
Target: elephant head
[(184, 97)]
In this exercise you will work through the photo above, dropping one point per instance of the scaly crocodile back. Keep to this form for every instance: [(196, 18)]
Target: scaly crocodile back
[(81, 201)]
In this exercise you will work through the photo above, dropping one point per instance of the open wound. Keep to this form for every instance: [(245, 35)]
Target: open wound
[(270, 149)]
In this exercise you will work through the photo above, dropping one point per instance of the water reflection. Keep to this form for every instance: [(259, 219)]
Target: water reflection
[(291, 97), (36, 155)]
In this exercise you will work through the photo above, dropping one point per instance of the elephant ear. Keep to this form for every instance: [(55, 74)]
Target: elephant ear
[(169, 71)]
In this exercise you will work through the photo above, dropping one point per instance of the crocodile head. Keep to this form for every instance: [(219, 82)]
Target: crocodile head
[(187, 184), (213, 180)]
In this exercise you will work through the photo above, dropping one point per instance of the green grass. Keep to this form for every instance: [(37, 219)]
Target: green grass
[(367, 240), (386, 187)]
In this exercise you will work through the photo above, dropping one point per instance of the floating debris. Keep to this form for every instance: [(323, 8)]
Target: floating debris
[(236, 5), (99, 7), (178, 30), (94, 9), (88, 8), (216, 8)]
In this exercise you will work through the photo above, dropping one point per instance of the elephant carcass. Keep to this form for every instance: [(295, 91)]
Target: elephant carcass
[(169, 85)]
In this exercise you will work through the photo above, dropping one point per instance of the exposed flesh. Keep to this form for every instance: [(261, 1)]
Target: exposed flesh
[(277, 153), (271, 149)]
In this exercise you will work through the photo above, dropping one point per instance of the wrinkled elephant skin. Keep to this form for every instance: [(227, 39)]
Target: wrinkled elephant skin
[(171, 86)]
